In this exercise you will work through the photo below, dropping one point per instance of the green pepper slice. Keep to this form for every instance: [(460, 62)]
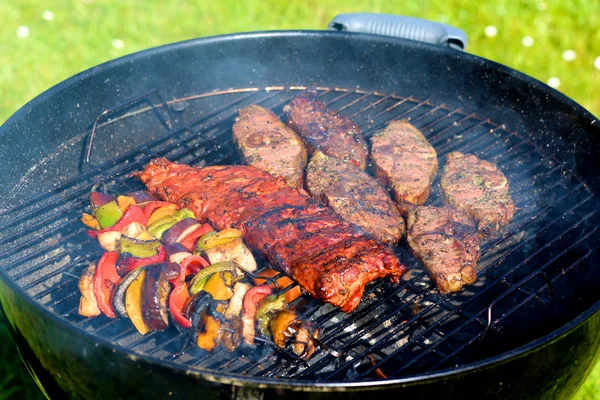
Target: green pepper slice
[(162, 225), (108, 214), (183, 214), (197, 284), (201, 245), (139, 248), (267, 309)]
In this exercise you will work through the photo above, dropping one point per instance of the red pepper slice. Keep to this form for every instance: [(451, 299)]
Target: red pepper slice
[(179, 297), (253, 298), (133, 213), (153, 206), (128, 263), (106, 280), (192, 264), (189, 241)]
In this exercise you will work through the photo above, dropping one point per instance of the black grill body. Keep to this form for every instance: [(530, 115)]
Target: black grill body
[(527, 328)]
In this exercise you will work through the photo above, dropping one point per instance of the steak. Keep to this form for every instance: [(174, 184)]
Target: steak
[(330, 258), (268, 144), (447, 243), (326, 130), (355, 196), (480, 189), (405, 162)]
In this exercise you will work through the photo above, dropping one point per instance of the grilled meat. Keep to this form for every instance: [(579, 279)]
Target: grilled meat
[(447, 243), (268, 144), (480, 189), (404, 161), (332, 259), (355, 196), (326, 130)]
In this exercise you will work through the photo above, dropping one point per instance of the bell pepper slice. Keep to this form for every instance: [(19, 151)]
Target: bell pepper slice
[(106, 280), (108, 214), (133, 303), (210, 329), (133, 214), (193, 264), (201, 277), (153, 206), (127, 262), (124, 202), (267, 309), (164, 211), (253, 297), (139, 248), (222, 237), (158, 227), (189, 241), (201, 245), (90, 221), (219, 285), (179, 297)]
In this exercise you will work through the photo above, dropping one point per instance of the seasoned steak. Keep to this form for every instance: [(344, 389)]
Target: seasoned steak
[(404, 161), (331, 258), (447, 243), (479, 188), (326, 130), (268, 144), (355, 196)]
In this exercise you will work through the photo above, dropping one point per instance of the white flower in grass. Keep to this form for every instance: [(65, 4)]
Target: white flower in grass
[(48, 15), (118, 44), (554, 82), (527, 41), (490, 31), (569, 55), (22, 32), (597, 63)]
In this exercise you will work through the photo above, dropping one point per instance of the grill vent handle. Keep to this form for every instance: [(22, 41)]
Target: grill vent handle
[(401, 27)]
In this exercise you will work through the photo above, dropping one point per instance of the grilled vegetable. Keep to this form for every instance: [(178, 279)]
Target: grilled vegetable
[(201, 245), (98, 199), (193, 264), (251, 301), (267, 310), (133, 302), (178, 298), (237, 300), (222, 237), (139, 248), (232, 333), (154, 299), (189, 241), (127, 262), (137, 231), (181, 229), (152, 206), (201, 277), (119, 301), (106, 280), (88, 307), (124, 202), (109, 240), (164, 211), (133, 214), (235, 251), (282, 282), (158, 227), (108, 214), (219, 285), (209, 326), (196, 304), (90, 221), (142, 196), (286, 326)]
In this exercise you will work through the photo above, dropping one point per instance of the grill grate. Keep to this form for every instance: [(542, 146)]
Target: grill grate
[(398, 331)]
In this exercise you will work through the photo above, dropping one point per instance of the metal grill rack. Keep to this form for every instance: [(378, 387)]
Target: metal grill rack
[(397, 330)]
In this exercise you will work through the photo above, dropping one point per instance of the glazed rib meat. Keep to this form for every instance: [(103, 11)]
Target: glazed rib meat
[(268, 144), (326, 130), (405, 162), (332, 259), (480, 189), (355, 196), (447, 243)]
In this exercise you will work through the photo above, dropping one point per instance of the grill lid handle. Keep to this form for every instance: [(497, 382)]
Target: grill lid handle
[(401, 27)]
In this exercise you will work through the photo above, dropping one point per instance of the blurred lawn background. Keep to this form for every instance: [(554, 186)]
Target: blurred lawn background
[(45, 42)]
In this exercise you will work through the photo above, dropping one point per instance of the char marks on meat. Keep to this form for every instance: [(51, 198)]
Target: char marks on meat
[(480, 189), (355, 196), (332, 259), (326, 130), (268, 144), (447, 243), (405, 162)]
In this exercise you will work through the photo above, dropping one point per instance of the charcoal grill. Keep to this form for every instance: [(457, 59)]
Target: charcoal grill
[(531, 313)]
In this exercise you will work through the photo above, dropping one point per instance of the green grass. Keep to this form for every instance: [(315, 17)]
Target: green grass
[(81, 35)]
